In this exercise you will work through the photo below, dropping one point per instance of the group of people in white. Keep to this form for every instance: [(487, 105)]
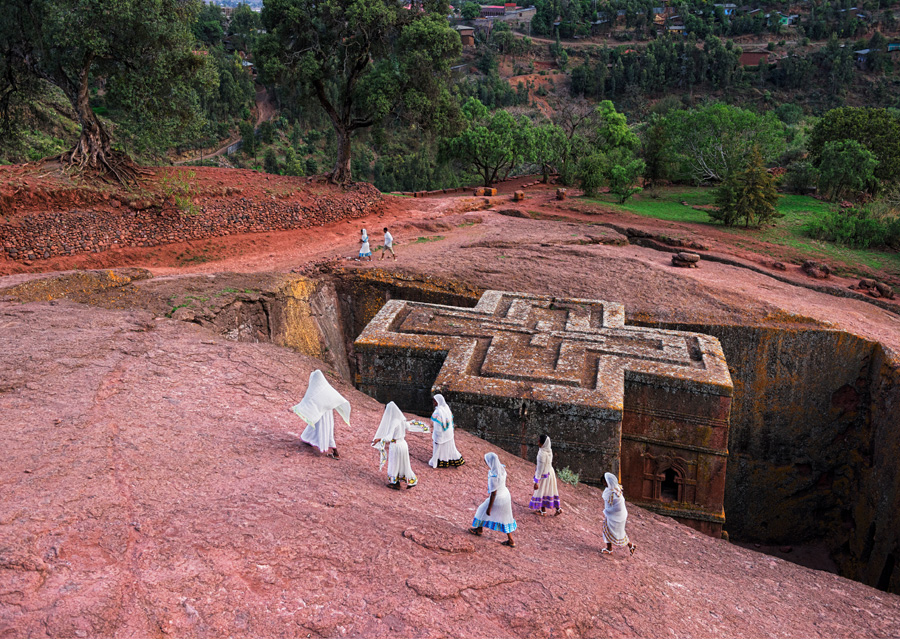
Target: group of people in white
[(321, 400)]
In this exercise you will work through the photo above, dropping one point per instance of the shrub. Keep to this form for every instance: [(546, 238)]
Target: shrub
[(270, 161), (567, 475), (857, 228), (801, 175)]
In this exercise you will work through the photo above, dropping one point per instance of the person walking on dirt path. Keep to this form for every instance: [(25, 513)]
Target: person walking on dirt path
[(388, 244), (364, 251)]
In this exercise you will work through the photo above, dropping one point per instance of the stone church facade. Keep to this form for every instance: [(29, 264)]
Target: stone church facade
[(650, 405)]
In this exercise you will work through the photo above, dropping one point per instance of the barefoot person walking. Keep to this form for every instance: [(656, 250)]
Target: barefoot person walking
[(317, 407), (495, 512), (616, 514), (546, 493)]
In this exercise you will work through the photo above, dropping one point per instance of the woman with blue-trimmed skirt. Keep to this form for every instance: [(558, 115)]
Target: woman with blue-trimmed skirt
[(495, 512)]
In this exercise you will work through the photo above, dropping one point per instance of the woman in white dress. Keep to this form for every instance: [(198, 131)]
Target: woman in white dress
[(364, 251), (616, 514), (444, 452), (316, 410), (546, 493), (391, 434), (495, 512)]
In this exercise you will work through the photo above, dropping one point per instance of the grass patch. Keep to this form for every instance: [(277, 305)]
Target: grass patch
[(787, 231), (423, 239)]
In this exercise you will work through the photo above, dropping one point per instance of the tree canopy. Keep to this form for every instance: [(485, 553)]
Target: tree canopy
[(141, 48), (878, 130), (491, 144), (714, 141), (846, 166), (364, 60)]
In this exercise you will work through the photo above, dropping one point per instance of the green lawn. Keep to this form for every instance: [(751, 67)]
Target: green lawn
[(787, 231)]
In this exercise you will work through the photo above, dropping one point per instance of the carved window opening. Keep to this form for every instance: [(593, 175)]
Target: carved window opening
[(669, 488)]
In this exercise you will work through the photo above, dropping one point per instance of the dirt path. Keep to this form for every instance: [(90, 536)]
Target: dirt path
[(265, 110)]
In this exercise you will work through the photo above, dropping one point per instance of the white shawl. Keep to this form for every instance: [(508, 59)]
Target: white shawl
[(614, 511), (445, 416), (392, 423), (544, 461), (365, 236), (497, 473), (321, 398)]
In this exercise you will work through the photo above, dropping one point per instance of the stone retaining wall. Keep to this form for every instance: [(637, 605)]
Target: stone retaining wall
[(60, 233)]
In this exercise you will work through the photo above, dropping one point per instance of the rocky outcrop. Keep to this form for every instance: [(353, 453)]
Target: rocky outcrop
[(154, 485)]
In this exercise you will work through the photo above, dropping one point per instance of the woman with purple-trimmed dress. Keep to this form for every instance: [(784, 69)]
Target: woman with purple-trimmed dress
[(546, 493), (495, 512)]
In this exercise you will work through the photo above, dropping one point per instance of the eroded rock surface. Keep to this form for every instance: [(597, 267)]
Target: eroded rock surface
[(154, 485)]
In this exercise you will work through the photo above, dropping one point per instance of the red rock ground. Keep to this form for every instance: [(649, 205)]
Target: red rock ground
[(155, 486)]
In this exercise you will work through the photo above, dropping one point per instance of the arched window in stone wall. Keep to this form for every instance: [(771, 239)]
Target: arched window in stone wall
[(670, 487), (666, 479)]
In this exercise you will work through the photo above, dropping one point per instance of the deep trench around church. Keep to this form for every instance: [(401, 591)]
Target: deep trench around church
[(811, 430)]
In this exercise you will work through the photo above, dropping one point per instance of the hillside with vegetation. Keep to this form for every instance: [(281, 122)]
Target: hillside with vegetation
[(609, 97)]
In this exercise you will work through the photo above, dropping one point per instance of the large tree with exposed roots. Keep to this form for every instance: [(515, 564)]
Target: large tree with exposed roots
[(141, 49), (363, 60)]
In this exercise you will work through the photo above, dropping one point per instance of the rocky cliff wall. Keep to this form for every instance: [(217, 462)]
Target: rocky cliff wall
[(814, 452)]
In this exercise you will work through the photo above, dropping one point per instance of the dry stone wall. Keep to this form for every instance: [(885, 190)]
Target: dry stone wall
[(60, 233)]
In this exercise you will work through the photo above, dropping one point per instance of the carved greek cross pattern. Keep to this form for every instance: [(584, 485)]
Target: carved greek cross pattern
[(559, 350)]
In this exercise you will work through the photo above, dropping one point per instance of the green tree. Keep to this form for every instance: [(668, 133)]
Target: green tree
[(545, 143), (142, 48), (748, 195), (209, 28), (248, 138), (363, 60), (592, 173), (292, 166), (712, 142), (846, 166), (270, 161), (491, 144), (656, 150), (623, 177), (244, 27), (878, 130), (470, 10)]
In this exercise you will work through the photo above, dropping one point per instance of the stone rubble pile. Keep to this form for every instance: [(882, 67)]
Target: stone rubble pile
[(59, 233)]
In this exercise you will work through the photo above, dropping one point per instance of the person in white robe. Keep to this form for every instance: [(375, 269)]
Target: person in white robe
[(444, 452), (616, 514), (364, 250), (495, 512), (546, 492), (316, 409), (391, 435)]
